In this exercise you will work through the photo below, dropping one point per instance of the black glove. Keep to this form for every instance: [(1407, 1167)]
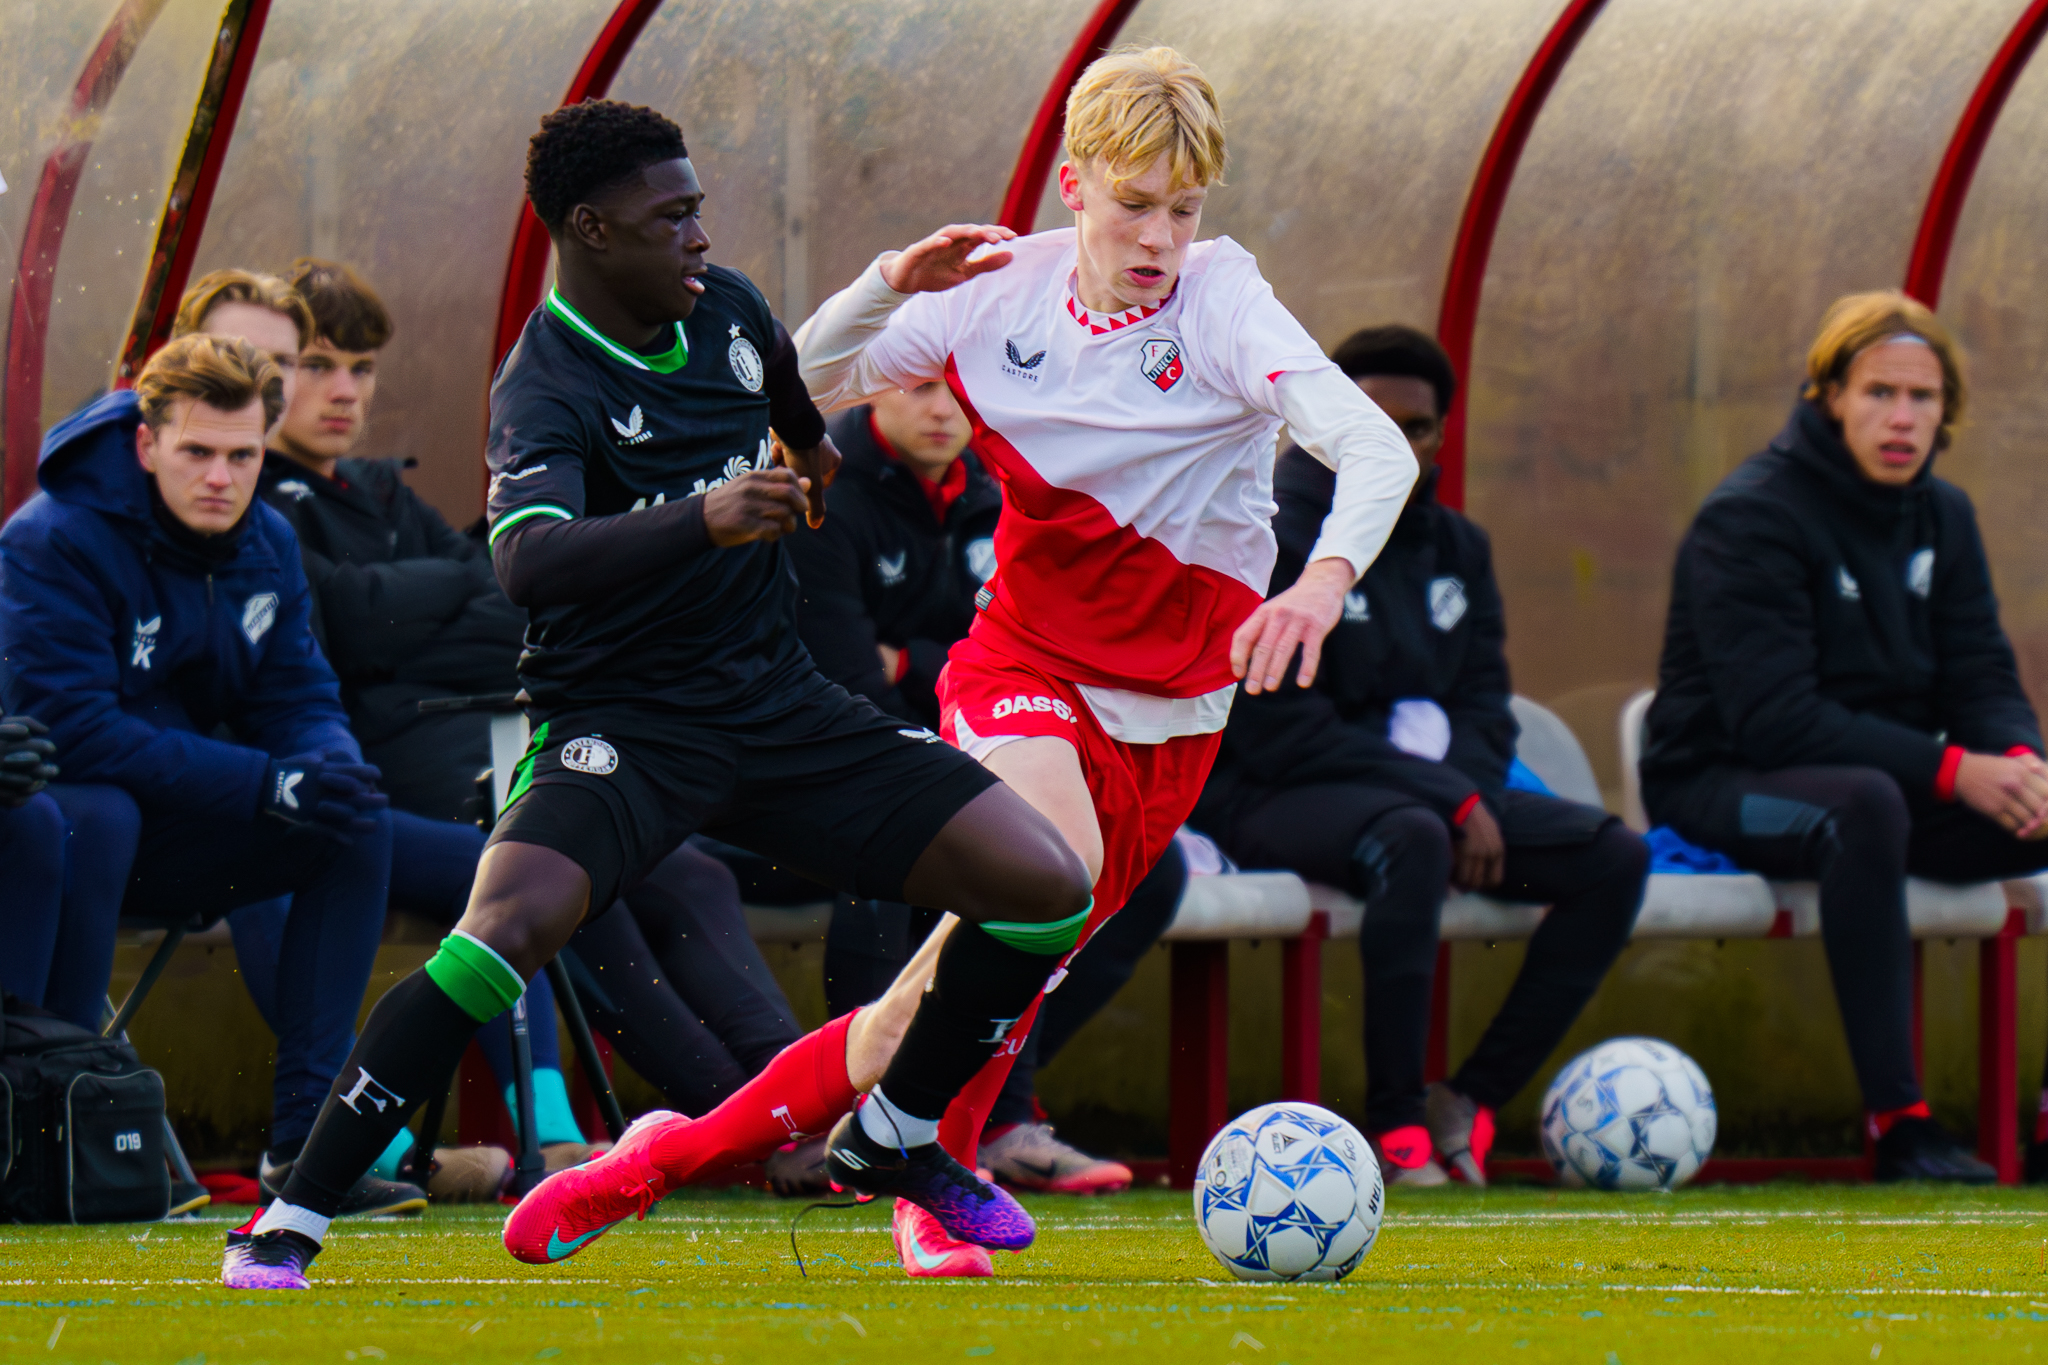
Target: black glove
[(331, 791), (25, 766)]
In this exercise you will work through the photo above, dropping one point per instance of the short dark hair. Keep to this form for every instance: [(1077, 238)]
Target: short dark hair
[(1403, 351), (347, 314), (584, 149)]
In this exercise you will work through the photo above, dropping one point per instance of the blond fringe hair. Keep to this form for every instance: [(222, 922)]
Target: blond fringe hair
[(242, 286), (1137, 104), (222, 372), (1856, 322)]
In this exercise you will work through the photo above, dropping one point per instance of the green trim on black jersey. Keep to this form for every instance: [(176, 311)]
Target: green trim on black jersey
[(539, 509), (522, 772), (668, 362)]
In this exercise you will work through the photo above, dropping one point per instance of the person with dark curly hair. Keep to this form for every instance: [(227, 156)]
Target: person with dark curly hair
[(636, 511)]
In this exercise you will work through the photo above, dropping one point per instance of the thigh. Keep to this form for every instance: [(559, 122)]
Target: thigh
[(616, 788), (1765, 821), (202, 865), (1952, 843), (1312, 829), (843, 794), (433, 863)]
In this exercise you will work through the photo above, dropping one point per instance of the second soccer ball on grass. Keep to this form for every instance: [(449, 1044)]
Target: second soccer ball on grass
[(1630, 1114)]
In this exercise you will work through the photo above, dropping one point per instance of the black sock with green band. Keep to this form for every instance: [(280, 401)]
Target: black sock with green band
[(987, 976), (409, 1048)]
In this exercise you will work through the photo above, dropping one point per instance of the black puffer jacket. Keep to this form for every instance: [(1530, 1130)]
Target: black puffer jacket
[(884, 570), (1424, 622), (407, 608), (1820, 618)]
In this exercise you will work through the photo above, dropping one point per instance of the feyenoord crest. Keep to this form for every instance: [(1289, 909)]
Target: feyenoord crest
[(591, 755), (745, 362), (1161, 362)]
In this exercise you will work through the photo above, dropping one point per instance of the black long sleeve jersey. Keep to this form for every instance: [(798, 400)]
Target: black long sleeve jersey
[(586, 431), (1819, 618), (1424, 622), (883, 569)]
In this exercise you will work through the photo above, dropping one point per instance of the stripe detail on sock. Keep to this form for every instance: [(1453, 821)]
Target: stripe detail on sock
[(472, 974), (1046, 940), (291, 1218)]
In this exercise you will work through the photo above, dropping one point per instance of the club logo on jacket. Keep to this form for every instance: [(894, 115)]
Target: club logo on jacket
[(143, 645), (295, 489), (1846, 584), (745, 362), (633, 430), (1020, 366), (1160, 360), (891, 570), (1920, 574), (591, 755), (1446, 602), (981, 558), (259, 614), (1356, 607)]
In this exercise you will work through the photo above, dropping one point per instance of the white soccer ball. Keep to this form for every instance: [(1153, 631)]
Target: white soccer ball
[(1631, 1114), (1289, 1191)]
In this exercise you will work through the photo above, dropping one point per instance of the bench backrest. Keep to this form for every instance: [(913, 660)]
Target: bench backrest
[(1634, 722), (1549, 749)]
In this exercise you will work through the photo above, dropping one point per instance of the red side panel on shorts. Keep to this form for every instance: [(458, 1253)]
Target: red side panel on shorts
[(1087, 599)]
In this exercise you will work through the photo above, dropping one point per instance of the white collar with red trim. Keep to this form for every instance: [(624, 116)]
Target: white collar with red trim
[(1098, 323)]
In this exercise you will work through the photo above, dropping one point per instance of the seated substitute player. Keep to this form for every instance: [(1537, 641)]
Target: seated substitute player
[(636, 512), (1388, 778), (1126, 385)]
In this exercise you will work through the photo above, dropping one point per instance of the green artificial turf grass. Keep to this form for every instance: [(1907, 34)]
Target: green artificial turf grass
[(1721, 1275)]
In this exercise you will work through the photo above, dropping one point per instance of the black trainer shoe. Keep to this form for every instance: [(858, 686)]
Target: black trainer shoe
[(367, 1198), (968, 1208), (267, 1260), (1921, 1149), (187, 1197), (2037, 1163)]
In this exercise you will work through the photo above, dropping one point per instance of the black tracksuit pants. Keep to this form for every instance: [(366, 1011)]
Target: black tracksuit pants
[(1854, 831), (1396, 857)]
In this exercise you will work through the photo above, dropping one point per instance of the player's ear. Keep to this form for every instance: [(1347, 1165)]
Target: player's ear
[(1070, 186), (587, 225)]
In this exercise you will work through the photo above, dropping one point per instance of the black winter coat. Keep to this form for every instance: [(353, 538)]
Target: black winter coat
[(1424, 622), (407, 608), (883, 569), (1820, 618)]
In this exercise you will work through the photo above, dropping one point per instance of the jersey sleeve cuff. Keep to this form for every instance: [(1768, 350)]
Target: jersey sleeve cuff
[(2018, 751), (1464, 810), (525, 514), (1945, 779)]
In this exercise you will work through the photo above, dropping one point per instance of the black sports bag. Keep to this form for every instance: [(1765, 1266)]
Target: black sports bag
[(84, 1120)]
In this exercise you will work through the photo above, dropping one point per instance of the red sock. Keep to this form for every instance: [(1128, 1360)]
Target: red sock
[(1407, 1148), (804, 1090), (960, 1129), (1881, 1123)]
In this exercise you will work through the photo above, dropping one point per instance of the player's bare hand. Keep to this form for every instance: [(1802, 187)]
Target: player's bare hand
[(940, 260), (1302, 616), (2011, 791), (1480, 859), (817, 466), (762, 504)]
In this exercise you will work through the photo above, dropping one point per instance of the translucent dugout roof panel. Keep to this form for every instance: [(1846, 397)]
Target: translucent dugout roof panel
[(393, 136), (120, 196), (1354, 134), (1996, 298), (1703, 181), (827, 131)]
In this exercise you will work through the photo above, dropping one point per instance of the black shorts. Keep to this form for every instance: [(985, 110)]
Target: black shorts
[(833, 789)]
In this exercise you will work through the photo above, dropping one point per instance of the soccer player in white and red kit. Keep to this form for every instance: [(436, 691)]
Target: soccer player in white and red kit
[(1126, 385)]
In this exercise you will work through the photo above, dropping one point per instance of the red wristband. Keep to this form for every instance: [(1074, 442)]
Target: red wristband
[(902, 666), (1945, 780), (2019, 751), (1465, 810)]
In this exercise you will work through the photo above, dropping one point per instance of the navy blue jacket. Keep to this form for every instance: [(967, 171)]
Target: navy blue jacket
[(135, 650)]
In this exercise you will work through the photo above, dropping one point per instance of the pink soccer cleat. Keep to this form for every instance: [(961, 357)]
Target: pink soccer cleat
[(273, 1260), (571, 1209), (927, 1250)]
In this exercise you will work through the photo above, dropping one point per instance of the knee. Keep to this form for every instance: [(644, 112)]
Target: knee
[(1404, 848), (1057, 886), (1870, 811), (103, 818)]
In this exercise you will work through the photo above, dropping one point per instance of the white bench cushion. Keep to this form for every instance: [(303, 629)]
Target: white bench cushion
[(1934, 909), (1241, 905)]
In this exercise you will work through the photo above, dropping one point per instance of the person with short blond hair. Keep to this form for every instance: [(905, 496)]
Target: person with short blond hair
[(154, 615), (1837, 699), (1125, 384)]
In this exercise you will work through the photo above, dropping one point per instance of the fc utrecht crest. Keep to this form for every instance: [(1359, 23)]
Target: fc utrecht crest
[(1161, 362)]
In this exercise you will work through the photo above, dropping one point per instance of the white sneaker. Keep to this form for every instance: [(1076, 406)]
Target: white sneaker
[(1028, 1156)]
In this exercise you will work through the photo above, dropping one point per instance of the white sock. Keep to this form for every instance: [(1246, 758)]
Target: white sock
[(891, 1127), (305, 1222)]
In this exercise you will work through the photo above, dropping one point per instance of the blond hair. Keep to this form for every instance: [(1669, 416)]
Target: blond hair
[(1856, 322), (242, 286), (1138, 104), (222, 372)]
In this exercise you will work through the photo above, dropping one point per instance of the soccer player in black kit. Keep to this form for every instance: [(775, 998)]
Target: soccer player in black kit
[(635, 512)]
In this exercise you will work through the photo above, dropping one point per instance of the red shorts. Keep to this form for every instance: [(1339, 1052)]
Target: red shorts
[(1142, 792)]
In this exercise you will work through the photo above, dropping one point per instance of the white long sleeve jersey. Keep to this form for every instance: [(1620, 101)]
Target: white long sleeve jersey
[(1135, 454)]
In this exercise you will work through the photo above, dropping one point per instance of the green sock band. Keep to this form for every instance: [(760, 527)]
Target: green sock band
[(1047, 940), (475, 977)]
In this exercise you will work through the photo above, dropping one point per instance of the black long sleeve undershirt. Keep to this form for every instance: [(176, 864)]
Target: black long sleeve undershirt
[(791, 412)]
